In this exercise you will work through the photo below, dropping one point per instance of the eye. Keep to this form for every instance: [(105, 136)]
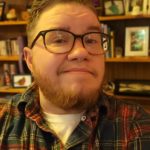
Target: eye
[(59, 40), (90, 41), (56, 38)]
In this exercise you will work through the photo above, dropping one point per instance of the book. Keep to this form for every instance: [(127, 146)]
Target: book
[(14, 47), (112, 44), (21, 40), (8, 47), (3, 51)]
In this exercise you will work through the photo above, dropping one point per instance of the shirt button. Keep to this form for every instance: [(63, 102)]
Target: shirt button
[(83, 118)]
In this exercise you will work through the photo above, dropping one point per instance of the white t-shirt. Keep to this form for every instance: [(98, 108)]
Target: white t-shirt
[(62, 125)]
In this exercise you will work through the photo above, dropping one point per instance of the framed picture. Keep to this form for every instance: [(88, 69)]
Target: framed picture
[(21, 81), (113, 7), (132, 87), (136, 7), (2, 7), (136, 41)]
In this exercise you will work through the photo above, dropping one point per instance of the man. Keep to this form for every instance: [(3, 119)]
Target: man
[(65, 107)]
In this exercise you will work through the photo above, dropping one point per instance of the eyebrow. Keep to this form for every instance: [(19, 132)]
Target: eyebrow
[(61, 28), (97, 28)]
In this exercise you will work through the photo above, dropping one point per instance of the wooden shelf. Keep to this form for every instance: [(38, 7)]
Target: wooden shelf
[(125, 17), (129, 59), (11, 90), (10, 23), (9, 58), (134, 98), (137, 99)]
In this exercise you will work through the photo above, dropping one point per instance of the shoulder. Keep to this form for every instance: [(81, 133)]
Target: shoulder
[(121, 108), (10, 100), (128, 116), (124, 122), (6, 105)]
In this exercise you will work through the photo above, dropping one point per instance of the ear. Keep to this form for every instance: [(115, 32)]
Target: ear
[(28, 57)]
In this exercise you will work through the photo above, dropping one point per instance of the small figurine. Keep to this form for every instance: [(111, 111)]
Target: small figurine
[(11, 14), (25, 15)]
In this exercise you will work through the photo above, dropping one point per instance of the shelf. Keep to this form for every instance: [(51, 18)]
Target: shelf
[(9, 58), (10, 23), (125, 17), (11, 90), (133, 98), (139, 99), (130, 59)]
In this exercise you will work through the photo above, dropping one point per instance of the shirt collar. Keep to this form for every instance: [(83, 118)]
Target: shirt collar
[(27, 97)]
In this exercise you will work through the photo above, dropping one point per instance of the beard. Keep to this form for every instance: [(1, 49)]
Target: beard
[(65, 99)]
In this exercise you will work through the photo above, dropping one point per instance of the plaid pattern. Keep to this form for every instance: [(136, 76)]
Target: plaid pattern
[(111, 125)]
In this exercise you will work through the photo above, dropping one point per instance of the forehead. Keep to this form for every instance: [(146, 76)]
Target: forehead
[(71, 16)]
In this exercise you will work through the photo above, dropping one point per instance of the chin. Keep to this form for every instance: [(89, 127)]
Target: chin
[(79, 88)]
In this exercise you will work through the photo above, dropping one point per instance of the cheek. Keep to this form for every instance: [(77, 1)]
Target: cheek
[(46, 63)]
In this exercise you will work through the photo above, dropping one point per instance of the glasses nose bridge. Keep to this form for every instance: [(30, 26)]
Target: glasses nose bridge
[(78, 36)]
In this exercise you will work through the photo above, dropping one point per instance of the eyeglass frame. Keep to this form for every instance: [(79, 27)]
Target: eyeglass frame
[(81, 36)]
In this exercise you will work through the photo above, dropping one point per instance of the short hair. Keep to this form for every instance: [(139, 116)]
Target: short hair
[(38, 6)]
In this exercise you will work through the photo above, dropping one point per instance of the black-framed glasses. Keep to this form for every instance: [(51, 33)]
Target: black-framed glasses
[(60, 41)]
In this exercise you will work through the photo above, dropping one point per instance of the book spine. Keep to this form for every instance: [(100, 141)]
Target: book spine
[(7, 78), (3, 48)]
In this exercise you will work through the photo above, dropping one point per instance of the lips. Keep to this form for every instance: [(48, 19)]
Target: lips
[(78, 70)]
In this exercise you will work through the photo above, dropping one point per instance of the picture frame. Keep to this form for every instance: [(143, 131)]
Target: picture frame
[(2, 7), (132, 87), (113, 7), (148, 9), (137, 41), (136, 7), (21, 80)]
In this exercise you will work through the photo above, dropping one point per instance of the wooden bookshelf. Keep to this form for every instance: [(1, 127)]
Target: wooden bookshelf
[(11, 30), (128, 68), (136, 68)]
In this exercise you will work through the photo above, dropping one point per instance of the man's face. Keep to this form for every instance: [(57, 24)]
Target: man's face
[(74, 78)]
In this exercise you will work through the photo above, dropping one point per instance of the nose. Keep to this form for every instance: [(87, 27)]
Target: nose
[(78, 52)]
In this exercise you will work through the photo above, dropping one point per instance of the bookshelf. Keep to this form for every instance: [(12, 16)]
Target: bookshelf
[(12, 33), (10, 30), (129, 68)]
